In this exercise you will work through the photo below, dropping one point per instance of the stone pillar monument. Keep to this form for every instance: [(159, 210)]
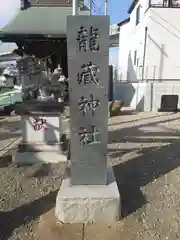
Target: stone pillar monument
[(41, 117), (89, 193)]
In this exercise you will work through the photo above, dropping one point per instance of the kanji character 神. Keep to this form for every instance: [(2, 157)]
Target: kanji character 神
[(85, 105)]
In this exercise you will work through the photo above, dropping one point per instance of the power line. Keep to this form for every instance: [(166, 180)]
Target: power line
[(96, 8), (96, 11), (102, 3)]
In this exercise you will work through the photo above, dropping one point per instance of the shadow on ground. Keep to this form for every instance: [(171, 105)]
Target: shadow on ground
[(151, 163), (24, 214), (10, 128), (141, 118), (43, 171), (5, 161)]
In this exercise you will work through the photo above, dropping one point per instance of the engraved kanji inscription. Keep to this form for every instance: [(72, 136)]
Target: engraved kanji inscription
[(85, 36), (88, 48), (39, 123), (82, 39), (85, 104), (94, 35), (88, 74), (89, 162), (88, 138)]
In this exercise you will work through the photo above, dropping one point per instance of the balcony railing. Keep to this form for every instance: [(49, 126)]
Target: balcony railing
[(165, 3)]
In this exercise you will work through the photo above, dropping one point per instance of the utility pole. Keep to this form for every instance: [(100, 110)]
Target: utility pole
[(105, 7), (90, 6), (74, 7)]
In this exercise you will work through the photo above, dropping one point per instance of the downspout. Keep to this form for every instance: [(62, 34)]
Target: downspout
[(144, 53)]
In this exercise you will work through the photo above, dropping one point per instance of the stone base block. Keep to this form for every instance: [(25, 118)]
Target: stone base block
[(28, 147), (87, 203), (36, 157)]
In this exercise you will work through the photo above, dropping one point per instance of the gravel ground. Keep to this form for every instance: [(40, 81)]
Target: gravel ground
[(145, 155), (144, 150), (25, 194)]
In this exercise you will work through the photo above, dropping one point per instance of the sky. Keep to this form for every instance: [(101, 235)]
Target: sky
[(7, 10), (117, 9)]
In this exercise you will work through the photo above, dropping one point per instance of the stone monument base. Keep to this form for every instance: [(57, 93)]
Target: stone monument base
[(23, 158), (88, 203), (39, 147)]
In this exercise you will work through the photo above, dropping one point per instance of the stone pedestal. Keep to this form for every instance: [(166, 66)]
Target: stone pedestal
[(48, 137), (42, 132), (88, 203)]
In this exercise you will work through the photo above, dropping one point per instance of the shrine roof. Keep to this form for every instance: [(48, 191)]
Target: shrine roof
[(46, 21)]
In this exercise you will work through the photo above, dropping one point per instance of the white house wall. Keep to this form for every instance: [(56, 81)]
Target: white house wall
[(163, 51), (132, 39), (162, 58), (137, 44), (124, 44)]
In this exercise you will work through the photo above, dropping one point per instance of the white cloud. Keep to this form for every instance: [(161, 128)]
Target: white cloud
[(8, 10)]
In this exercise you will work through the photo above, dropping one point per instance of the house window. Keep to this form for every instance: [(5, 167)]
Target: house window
[(135, 58), (138, 14), (137, 62)]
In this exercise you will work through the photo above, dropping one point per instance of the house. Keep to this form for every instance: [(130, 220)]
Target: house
[(149, 41)]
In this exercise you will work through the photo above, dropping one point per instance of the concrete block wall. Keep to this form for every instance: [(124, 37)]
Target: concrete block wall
[(145, 96), (131, 93), (160, 89)]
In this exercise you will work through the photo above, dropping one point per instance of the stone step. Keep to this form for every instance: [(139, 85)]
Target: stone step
[(37, 157)]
